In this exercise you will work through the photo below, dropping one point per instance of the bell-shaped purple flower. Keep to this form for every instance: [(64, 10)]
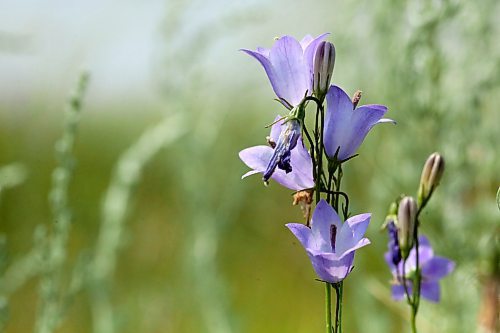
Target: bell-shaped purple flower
[(433, 269), (331, 244), (282, 158), (346, 125), (289, 66)]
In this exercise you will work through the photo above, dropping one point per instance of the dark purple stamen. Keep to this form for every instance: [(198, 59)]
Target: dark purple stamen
[(333, 235)]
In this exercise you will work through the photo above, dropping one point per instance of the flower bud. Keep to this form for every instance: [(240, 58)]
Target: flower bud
[(498, 197), (407, 215), (324, 60), (431, 175)]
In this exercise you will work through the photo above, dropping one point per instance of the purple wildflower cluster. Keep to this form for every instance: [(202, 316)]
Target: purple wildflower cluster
[(289, 65), (300, 73), (297, 71)]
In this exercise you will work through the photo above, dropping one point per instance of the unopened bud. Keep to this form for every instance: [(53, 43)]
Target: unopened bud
[(407, 215), (431, 175), (324, 60)]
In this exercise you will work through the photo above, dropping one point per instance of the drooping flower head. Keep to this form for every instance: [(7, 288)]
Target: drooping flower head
[(289, 67), (331, 244), (282, 152), (295, 159), (346, 125), (433, 268)]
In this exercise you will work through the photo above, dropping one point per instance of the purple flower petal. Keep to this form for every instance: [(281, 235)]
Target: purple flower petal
[(425, 253), (264, 51), (291, 76), (256, 157), (266, 63), (359, 224), (437, 267), (389, 261), (430, 290), (349, 238), (323, 217), (347, 250), (302, 167), (304, 42), (329, 270), (398, 291), (346, 127), (302, 233)]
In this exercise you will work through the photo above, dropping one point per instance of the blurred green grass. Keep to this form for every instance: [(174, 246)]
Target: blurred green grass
[(203, 247)]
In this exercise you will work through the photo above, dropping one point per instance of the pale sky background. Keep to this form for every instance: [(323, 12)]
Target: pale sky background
[(43, 44)]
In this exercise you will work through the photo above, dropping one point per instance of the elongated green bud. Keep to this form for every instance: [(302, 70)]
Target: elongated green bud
[(431, 175), (407, 215), (498, 198), (324, 60)]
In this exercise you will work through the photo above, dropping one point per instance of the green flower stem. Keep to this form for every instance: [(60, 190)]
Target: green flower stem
[(328, 307), (416, 285), (338, 308), (413, 320), (338, 286), (317, 151), (414, 299)]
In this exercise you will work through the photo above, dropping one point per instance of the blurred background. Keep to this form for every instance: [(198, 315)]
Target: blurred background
[(163, 234)]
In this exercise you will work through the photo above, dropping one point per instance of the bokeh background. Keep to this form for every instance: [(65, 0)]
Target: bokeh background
[(198, 249)]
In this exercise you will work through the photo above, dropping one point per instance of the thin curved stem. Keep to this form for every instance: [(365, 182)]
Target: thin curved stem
[(416, 285), (405, 286), (343, 194)]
